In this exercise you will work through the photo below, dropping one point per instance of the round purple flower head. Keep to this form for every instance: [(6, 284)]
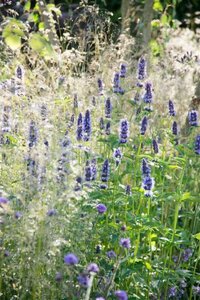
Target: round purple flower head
[(111, 254), (125, 242), (93, 268), (121, 295), (51, 212), (3, 200), (101, 208), (18, 215), (71, 259), (197, 145), (83, 280)]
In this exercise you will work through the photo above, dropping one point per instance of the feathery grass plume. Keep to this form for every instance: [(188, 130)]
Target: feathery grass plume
[(141, 71), (193, 118), (100, 86), (88, 172), (146, 170), (108, 128), (105, 171), (33, 134), (197, 145), (155, 146), (123, 131), (148, 185), (108, 108), (148, 96), (175, 128), (171, 108), (87, 129), (144, 124), (117, 155), (123, 71), (79, 131)]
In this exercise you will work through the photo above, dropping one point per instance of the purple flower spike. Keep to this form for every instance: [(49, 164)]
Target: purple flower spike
[(186, 254), (33, 134), (116, 83), (124, 131), (107, 129), (144, 125), (123, 71), (71, 259), (125, 242), (101, 123), (93, 268), (101, 208), (197, 145), (121, 295), (147, 185), (155, 146), (193, 118), (79, 131), (146, 170), (94, 169), (117, 156), (175, 128), (58, 277), (108, 108), (148, 97), (128, 190), (105, 171), (83, 280), (100, 86), (87, 126), (141, 68), (88, 172), (171, 109)]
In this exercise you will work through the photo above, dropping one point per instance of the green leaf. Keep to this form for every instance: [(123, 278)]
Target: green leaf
[(197, 236), (41, 45), (148, 266), (13, 41), (27, 6), (157, 6)]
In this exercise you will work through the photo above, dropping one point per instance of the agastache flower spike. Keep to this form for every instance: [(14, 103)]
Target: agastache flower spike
[(88, 172), (100, 86), (146, 170), (197, 145), (105, 171), (144, 125), (155, 146), (107, 130), (171, 109), (148, 97), (33, 134), (141, 68), (117, 156), (101, 124), (123, 71), (147, 185), (116, 83), (79, 131), (175, 128), (108, 108), (124, 131), (87, 126), (193, 118), (19, 72), (93, 169)]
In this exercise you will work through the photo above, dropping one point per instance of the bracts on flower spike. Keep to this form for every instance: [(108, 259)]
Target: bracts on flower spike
[(171, 109), (141, 68), (146, 170), (197, 145), (144, 125), (117, 155), (108, 108), (87, 126), (105, 172), (147, 185), (193, 118), (148, 97), (123, 71), (155, 146), (124, 131), (79, 131)]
